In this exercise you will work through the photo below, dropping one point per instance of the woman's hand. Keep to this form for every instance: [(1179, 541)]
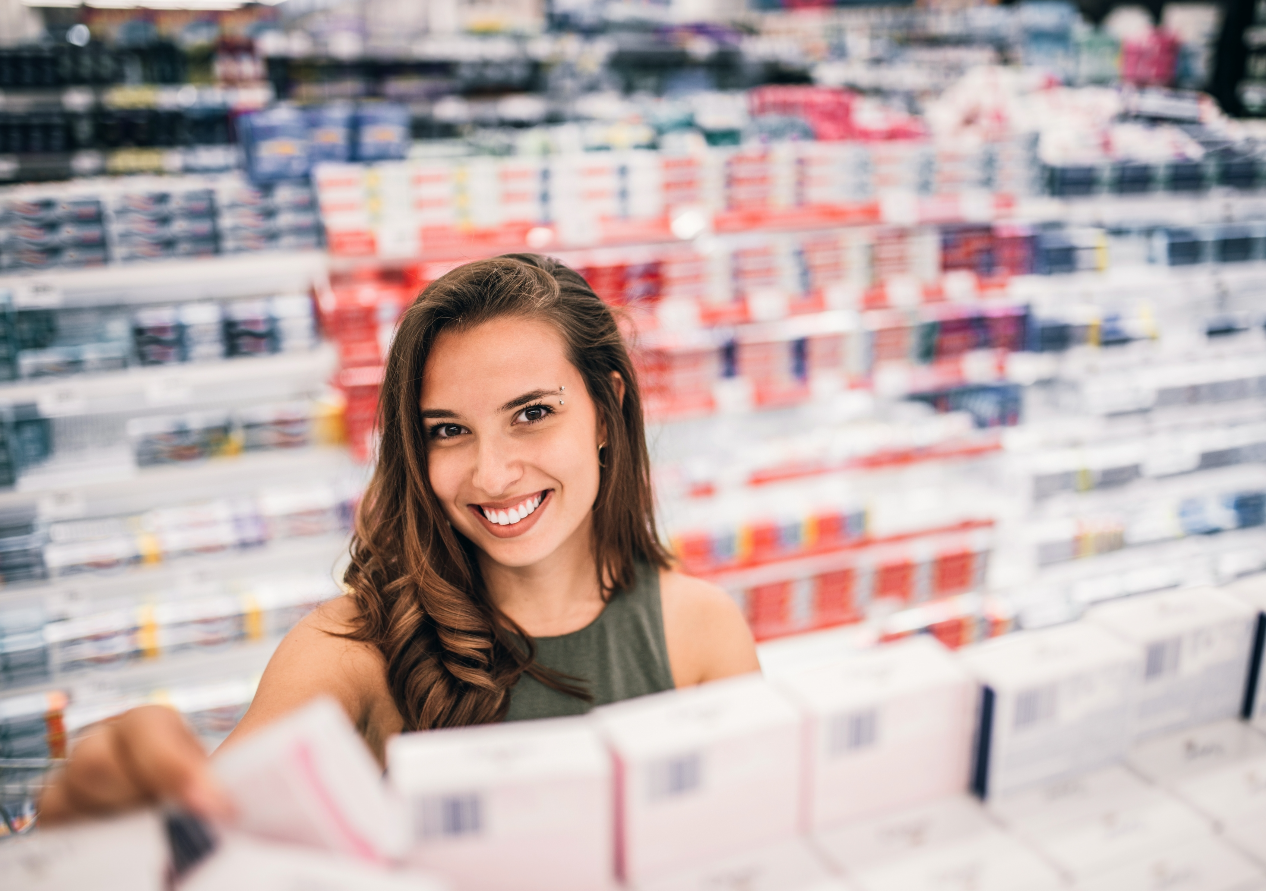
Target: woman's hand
[(144, 756)]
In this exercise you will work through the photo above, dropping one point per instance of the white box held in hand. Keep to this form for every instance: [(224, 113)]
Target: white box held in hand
[(1196, 644), (309, 779), (787, 866), (1054, 703), (703, 772), (526, 805), (888, 728)]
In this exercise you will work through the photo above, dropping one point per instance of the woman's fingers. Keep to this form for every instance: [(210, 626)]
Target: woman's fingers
[(146, 755), (164, 758)]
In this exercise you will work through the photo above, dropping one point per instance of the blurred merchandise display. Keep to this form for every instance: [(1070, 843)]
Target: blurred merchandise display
[(947, 324)]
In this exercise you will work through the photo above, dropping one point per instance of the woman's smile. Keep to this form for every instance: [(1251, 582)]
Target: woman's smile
[(515, 519)]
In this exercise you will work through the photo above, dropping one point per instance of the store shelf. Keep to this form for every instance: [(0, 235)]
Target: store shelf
[(168, 281), (155, 387), (62, 491), (188, 575)]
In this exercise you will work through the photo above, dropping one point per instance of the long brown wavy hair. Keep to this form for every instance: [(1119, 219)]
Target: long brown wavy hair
[(452, 656)]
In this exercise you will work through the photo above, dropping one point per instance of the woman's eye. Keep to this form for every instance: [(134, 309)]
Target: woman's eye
[(534, 413), (446, 431)]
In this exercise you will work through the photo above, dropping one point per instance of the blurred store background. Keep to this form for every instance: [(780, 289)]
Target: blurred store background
[(949, 316)]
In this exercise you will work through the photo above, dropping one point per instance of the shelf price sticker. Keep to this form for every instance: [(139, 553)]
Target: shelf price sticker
[(37, 294), (62, 400)]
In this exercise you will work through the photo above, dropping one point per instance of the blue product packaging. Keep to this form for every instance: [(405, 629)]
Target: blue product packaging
[(330, 132), (275, 142), (382, 132)]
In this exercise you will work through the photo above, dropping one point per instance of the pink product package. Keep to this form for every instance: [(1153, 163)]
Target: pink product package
[(887, 728), (702, 773), (525, 805), (309, 779)]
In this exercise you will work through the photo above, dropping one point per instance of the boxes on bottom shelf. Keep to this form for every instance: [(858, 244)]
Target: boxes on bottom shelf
[(1206, 864), (1175, 758), (689, 765), (1196, 644), (949, 845), (1055, 703), (787, 866), (887, 728), (1098, 821), (525, 805)]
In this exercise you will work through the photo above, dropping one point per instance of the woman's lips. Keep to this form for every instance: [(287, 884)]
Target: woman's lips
[(534, 504)]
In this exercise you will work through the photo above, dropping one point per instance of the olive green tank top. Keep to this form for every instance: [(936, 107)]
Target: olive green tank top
[(619, 655)]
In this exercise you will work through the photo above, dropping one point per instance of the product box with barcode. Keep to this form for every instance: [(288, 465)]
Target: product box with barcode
[(525, 805), (1180, 757), (1098, 821), (1053, 703), (703, 772), (1252, 591), (1196, 645), (888, 728), (787, 866)]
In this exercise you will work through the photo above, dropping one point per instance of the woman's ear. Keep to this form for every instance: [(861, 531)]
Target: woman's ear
[(617, 384)]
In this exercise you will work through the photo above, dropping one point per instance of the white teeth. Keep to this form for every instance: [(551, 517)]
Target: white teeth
[(515, 514)]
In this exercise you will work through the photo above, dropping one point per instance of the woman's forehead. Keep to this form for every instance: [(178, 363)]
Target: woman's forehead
[(497, 359)]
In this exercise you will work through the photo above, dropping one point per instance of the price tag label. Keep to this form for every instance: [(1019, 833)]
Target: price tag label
[(37, 294), (169, 389), (68, 504), (899, 208), (61, 400)]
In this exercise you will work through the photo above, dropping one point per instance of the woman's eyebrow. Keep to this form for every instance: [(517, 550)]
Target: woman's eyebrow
[(520, 401), (438, 413)]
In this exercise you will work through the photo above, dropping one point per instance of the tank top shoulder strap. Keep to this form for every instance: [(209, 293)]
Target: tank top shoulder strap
[(635, 619)]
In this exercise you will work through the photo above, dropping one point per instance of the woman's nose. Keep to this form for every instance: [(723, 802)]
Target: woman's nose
[(497, 468)]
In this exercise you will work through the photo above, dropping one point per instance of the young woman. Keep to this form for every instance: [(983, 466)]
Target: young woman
[(505, 563)]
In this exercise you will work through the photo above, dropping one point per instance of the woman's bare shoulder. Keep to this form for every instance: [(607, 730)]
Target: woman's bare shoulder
[(706, 633)]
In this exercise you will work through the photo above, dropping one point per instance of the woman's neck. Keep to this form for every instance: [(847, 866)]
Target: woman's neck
[(558, 595)]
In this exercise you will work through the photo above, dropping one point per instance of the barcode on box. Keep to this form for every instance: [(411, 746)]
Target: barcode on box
[(448, 816), (1163, 658), (1036, 706), (852, 731), (675, 776)]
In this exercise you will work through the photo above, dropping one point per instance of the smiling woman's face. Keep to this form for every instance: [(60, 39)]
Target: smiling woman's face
[(512, 438)]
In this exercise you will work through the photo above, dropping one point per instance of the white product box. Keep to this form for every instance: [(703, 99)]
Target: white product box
[(243, 863), (797, 652), (989, 861), (525, 805), (787, 866), (1206, 864), (1252, 591), (887, 728), (1196, 644), (1178, 757), (1055, 703), (120, 854), (1230, 795), (309, 779), (892, 838), (1099, 821), (1250, 837), (703, 772)]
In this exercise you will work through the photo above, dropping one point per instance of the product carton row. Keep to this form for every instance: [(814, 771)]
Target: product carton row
[(1095, 755)]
